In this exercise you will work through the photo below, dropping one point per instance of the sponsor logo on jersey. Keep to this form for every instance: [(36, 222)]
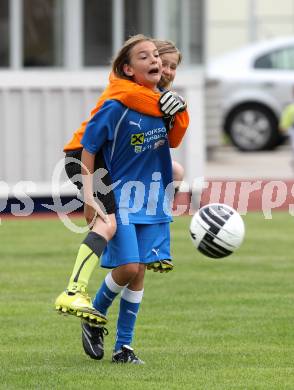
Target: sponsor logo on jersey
[(138, 149), (135, 123), (137, 139)]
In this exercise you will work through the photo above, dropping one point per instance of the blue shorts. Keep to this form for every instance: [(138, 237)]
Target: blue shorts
[(137, 243)]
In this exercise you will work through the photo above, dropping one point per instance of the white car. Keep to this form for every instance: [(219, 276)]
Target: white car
[(257, 82)]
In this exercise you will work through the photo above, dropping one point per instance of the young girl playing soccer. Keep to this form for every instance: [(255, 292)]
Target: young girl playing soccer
[(75, 300), (133, 154), (92, 337)]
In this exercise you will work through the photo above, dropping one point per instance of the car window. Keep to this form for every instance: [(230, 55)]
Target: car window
[(279, 59)]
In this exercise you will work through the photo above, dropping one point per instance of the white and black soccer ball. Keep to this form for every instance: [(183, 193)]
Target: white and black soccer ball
[(217, 230)]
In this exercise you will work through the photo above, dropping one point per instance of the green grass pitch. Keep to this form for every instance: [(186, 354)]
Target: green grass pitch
[(209, 324)]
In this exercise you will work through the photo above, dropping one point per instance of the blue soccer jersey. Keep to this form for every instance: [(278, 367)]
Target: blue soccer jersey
[(137, 155)]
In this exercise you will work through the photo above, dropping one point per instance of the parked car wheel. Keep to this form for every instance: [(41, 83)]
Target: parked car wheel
[(253, 127)]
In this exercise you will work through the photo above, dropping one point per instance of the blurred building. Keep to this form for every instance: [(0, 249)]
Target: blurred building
[(231, 24), (76, 34), (54, 63)]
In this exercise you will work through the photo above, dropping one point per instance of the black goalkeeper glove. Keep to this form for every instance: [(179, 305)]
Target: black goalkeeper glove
[(170, 103)]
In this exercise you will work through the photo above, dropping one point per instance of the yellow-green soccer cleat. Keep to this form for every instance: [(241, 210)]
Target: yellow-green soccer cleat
[(161, 266), (79, 304)]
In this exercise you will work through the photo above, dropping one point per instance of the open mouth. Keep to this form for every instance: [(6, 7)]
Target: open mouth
[(154, 71)]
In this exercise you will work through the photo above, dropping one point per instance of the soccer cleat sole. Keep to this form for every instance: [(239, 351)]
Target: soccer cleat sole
[(85, 313), (160, 266)]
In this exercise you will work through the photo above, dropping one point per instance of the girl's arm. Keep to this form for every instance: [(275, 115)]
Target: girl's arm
[(139, 99), (177, 132), (144, 100)]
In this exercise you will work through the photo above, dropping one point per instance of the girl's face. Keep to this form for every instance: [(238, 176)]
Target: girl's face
[(169, 68), (145, 65)]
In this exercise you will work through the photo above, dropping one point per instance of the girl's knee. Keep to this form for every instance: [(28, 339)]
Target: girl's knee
[(106, 230), (132, 269), (141, 271), (124, 274), (111, 228), (137, 283)]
